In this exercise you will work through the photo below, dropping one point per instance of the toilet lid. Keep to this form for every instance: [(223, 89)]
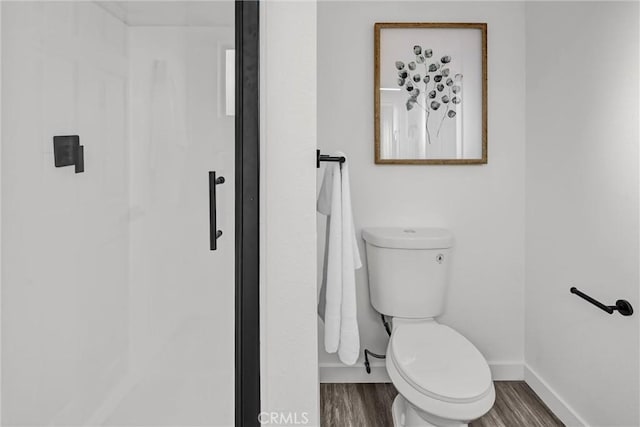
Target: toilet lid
[(439, 361)]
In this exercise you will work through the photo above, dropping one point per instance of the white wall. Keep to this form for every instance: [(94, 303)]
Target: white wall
[(64, 307), (482, 205), (289, 356), (582, 204)]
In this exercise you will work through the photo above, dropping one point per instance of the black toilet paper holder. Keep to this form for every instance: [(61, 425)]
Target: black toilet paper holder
[(622, 306)]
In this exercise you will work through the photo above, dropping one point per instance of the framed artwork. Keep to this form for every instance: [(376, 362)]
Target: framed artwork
[(430, 93)]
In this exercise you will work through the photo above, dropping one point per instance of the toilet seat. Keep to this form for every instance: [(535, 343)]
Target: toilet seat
[(439, 361), (438, 370)]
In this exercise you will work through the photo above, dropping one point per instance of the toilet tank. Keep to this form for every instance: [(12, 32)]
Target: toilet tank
[(408, 270)]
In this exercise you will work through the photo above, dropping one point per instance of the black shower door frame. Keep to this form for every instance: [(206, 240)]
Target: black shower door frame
[(247, 239)]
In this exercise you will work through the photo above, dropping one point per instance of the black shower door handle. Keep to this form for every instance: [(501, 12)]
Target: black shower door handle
[(214, 233)]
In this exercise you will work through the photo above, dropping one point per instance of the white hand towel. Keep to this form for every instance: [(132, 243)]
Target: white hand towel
[(337, 304)]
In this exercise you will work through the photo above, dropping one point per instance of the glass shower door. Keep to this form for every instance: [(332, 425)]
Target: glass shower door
[(115, 310)]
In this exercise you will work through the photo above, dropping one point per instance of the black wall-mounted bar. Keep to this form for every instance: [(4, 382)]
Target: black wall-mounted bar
[(622, 306), (327, 158)]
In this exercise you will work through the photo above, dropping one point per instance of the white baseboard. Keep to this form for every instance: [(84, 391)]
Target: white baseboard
[(507, 371), (339, 373), (558, 406)]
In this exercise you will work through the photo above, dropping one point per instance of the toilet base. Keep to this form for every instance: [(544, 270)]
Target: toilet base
[(406, 415)]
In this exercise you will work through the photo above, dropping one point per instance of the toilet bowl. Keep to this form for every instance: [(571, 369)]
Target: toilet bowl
[(442, 378)]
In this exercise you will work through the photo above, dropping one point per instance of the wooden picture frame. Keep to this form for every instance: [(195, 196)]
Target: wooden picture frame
[(430, 92)]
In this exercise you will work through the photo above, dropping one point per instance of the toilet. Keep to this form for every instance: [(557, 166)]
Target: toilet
[(442, 378)]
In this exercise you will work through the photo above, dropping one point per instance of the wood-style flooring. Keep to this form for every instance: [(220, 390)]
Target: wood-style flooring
[(369, 405)]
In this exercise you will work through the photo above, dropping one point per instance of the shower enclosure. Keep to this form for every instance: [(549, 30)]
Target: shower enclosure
[(124, 280)]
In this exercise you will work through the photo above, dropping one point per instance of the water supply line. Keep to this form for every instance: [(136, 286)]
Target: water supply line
[(368, 353)]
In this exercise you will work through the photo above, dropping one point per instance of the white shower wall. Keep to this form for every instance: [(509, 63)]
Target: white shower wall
[(65, 235)]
